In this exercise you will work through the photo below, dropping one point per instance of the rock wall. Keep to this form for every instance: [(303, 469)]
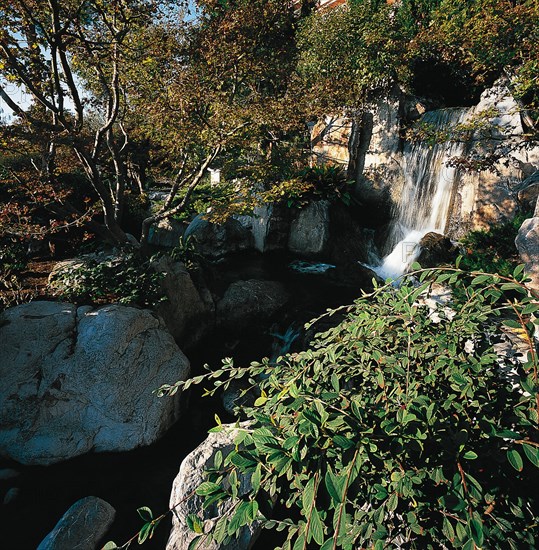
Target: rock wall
[(527, 243), (375, 152)]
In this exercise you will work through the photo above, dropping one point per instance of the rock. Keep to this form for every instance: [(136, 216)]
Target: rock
[(379, 150), (270, 227), (249, 303), (77, 380), (166, 233), (184, 501), (8, 473), (11, 496), (330, 137), (82, 527), (189, 310), (309, 232), (436, 249), (527, 243), (489, 197), (348, 241), (353, 275), (215, 241), (528, 191)]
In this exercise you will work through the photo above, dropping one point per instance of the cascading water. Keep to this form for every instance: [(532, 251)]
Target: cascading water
[(426, 194)]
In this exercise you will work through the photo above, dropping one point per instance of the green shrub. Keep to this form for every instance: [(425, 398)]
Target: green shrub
[(399, 427), (494, 250), (312, 183), (125, 278), (13, 256), (185, 252)]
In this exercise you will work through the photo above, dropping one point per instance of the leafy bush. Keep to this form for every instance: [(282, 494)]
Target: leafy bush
[(126, 278), (13, 256), (185, 252), (401, 427), (494, 250), (312, 183)]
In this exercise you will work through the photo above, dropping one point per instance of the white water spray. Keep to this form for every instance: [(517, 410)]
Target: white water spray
[(426, 194)]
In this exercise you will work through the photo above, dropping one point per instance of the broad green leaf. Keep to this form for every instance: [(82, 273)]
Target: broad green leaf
[(143, 533), (469, 455), (308, 496), (448, 530), (476, 530), (207, 488), (145, 513), (343, 442), (515, 459), (335, 486), (316, 528), (194, 523), (532, 453)]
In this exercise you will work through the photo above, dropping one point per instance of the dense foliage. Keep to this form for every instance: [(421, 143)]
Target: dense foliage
[(311, 184), (125, 278), (446, 50), (494, 250), (412, 423)]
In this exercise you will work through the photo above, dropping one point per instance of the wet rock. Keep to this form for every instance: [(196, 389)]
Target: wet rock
[(353, 275), (7, 474), (348, 241), (309, 231), (250, 303), (270, 227), (77, 380), (82, 527), (215, 241), (184, 501), (11, 496), (189, 310), (436, 249)]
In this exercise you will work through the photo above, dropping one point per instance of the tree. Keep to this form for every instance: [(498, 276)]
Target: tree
[(196, 91), (220, 91), (43, 45)]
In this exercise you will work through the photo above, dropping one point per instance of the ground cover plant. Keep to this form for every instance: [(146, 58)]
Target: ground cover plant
[(402, 425)]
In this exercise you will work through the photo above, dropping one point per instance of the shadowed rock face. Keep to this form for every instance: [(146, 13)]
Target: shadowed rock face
[(82, 527), (184, 501), (436, 249), (81, 379), (527, 243), (249, 303)]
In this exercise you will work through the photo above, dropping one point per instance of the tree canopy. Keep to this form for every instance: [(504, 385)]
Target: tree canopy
[(127, 87)]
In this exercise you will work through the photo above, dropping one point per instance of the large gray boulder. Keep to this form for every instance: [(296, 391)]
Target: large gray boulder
[(82, 527), (189, 310), (215, 241), (249, 303), (309, 232), (166, 233), (527, 243), (270, 227), (184, 501), (76, 380)]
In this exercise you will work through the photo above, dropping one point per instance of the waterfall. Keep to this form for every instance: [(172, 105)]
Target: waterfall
[(426, 195)]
